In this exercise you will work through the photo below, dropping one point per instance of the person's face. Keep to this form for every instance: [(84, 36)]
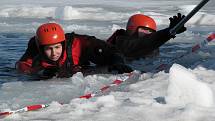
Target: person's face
[(142, 31), (53, 52)]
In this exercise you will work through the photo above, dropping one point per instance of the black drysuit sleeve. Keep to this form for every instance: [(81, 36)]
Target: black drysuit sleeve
[(136, 47), (101, 53)]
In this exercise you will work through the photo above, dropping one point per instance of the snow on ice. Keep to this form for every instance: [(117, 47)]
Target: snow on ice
[(184, 88), (184, 92)]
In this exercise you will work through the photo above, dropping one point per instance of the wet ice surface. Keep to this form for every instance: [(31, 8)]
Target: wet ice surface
[(154, 96)]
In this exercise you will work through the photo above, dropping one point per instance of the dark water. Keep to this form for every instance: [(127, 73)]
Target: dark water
[(12, 46)]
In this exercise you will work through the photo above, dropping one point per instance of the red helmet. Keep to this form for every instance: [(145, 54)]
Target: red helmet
[(138, 20), (50, 33)]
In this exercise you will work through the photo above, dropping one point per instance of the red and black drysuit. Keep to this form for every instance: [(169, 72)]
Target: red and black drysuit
[(78, 51)]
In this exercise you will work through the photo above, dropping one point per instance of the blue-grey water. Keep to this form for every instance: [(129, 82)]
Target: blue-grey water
[(12, 46)]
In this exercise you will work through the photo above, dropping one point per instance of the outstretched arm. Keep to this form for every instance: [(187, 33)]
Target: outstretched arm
[(142, 46)]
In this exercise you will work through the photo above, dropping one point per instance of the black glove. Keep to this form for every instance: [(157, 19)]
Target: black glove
[(175, 20), (120, 68), (50, 72), (76, 68)]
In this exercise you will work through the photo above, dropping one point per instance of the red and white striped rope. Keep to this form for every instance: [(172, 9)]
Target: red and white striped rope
[(194, 48), (116, 82), (25, 109)]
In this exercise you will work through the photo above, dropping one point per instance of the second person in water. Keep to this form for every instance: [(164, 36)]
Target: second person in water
[(141, 38)]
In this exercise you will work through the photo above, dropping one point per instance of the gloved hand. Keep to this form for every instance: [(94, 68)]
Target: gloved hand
[(50, 72), (76, 68), (120, 68), (175, 20)]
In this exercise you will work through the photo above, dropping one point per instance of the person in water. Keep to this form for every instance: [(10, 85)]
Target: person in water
[(141, 38), (54, 53)]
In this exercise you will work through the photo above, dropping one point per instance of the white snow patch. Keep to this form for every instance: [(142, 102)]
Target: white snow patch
[(184, 88)]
